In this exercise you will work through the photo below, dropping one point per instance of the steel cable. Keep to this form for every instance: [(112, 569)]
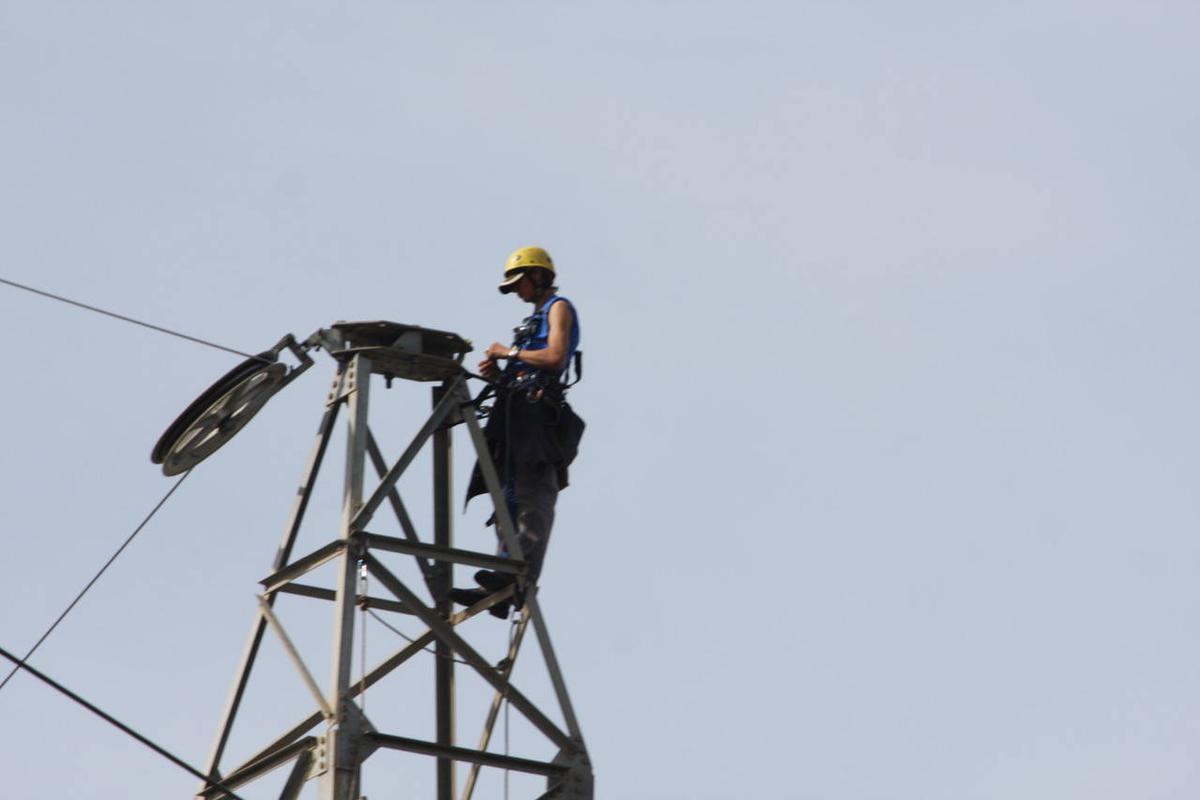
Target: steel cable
[(116, 723), (124, 318), (408, 638), (95, 578)]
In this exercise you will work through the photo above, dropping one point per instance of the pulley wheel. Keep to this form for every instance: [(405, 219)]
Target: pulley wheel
[(220, 412)]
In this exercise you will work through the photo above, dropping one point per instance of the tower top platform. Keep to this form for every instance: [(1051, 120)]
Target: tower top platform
[(397, 350)]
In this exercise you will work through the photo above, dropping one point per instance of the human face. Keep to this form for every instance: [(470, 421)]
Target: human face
[(524, 288)]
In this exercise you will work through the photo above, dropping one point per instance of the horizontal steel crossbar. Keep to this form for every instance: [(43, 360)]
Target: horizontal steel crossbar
[(302, 566), (466, 754), (304, 590), (452, 554)]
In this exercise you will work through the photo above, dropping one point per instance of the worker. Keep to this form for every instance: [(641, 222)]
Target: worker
[(532, 433)]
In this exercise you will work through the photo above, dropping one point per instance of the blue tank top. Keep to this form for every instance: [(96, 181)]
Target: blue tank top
[(534, 334)]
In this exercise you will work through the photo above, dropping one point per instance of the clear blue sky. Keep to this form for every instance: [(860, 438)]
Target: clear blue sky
[(890, 315)]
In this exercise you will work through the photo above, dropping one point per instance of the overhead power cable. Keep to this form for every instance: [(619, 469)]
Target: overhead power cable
[(121, 726), (124, 318), (95, 578)]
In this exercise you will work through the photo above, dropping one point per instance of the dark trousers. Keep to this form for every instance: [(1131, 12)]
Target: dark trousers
[(532, 493)]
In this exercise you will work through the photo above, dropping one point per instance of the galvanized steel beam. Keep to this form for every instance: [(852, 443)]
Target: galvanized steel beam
[(283, 553), (446, 633), (470, 558), (468, 755)]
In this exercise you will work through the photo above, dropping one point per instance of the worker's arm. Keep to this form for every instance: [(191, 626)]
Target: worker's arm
[(553, 358)]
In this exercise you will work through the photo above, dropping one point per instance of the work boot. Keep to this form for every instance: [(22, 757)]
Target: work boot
[(469, 597), (494, 581)]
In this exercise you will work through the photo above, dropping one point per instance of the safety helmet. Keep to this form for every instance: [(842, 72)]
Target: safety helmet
[(522, 259)]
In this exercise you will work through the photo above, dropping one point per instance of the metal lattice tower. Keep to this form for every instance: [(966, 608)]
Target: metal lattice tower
[(331, 744)]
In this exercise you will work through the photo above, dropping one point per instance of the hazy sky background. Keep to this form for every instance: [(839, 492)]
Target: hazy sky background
[(890, 315)]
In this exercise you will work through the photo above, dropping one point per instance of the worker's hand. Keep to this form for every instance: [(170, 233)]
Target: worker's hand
[(488, 368), (497, 350)]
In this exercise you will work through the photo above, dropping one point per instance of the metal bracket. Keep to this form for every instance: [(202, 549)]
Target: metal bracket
[(289, 343), (348, 745), (579, 781), (320, 759), (361, 726), (349, 378), (327, 339)]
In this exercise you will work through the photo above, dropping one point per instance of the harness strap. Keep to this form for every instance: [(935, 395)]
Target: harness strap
[(578, 369)]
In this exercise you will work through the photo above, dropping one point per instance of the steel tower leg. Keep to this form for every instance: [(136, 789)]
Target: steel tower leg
[(282, 556), (344, 733), (443, 580)]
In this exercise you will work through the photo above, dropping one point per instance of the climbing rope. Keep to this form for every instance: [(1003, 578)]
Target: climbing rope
[(362, 605)]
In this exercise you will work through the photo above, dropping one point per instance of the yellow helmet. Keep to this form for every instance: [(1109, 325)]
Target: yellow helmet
[(524, 258)]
